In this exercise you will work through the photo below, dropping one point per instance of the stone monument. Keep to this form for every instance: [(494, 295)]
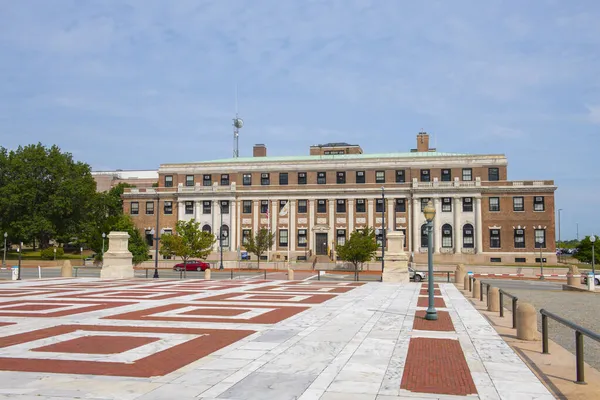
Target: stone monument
[(396, 259), (118, 261)]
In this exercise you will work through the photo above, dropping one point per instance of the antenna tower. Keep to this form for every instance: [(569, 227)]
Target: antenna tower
[(237, 124)]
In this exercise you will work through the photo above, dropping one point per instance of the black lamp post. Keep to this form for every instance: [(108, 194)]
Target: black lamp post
[(382, 230), (4, 257), (540, 243), (156, 238), (593, 240), (429, 212), (221, 234)]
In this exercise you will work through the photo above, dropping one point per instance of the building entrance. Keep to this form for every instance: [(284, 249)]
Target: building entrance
[(321, 244)]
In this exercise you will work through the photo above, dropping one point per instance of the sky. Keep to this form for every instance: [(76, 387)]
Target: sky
[(133, 84)]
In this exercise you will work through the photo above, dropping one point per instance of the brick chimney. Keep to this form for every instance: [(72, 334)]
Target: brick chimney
[(259, 150), (423, 142)]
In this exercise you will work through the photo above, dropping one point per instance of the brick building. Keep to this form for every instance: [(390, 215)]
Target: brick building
[(106, 180), (482, 217)]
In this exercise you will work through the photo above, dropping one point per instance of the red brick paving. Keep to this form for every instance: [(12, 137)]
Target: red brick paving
[(98, 344), (157, 364), (436, 292), (426, 285), (92, 306), (437, 366), (33, 307), (6, 323), (312, 298), (225, 312), (127, 294), (443, 323), (305, 289), (437, 302), (28, 292)]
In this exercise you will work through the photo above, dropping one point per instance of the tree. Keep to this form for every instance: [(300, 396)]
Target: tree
[(584, 250), (260, 243), (360, 248), (189, 241)]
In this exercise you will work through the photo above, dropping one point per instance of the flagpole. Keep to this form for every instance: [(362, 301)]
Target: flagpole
[(269, 223), (289, 232)]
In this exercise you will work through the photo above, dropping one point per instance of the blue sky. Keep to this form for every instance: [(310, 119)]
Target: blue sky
[(132, 84)]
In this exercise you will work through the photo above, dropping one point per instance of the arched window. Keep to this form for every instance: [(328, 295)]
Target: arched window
[(206, 228), (424, 236), (446, 236), (468, 241), (225, 235)]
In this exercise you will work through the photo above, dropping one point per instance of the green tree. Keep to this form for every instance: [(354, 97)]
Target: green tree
[(189, 241), (260, 243), (584, 250), (44, 194), (360, 248)]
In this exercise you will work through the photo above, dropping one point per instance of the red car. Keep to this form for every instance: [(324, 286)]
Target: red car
[(192, 265)]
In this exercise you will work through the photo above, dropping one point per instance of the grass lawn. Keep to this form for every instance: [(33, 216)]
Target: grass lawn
[(29, 254)]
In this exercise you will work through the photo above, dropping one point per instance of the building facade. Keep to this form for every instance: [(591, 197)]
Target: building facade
[(106, 180), (313, 203)]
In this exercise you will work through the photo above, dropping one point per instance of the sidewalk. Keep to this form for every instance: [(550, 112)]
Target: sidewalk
[(301, 340)]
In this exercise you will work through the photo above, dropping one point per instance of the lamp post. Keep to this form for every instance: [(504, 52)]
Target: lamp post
[(429, 212), (559, 254), (221, 235), (81, 253), (382, 230), (19, 250), (157, 238), (4, 257), (593, 239), (55, 254), (103, 237), (540, 242)]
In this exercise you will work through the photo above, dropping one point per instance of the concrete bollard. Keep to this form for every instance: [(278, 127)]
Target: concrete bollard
[(572, 278), (493, 299), (459, 274), (466, 282), (476, 289), (290, 274), (66, 271), (207, 274), (526, 322)]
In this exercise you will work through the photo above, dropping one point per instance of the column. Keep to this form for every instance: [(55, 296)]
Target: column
[(350, 224), (181, 213), (370, 210), (437, 233), (292, 226), (309, 226), (415, 225), (274, 213), (391, 214), (255, 216), (409, 225), (233, 226), (331, 235), (197, 210), (216, 222), (478, 226), (456, 209)]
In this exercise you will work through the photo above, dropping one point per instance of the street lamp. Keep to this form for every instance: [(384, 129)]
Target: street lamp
[(540, 242), (157, 238), (559, 254), (4, 257), (429, 212), (19, 250), (382, 230), (81, 253), (55, 254), (593, 239), (103, 237), (221, 235)]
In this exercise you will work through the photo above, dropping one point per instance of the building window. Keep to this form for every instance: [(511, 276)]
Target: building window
[(321, 206), (224, 239), (520, 259), (446, 175), (424, 202), (360, 176), (149, 208), (340, 177), (265, 179), (379, 176), (447, 204), (206, 207), (168, 180), (494, 203), (424, 236), (340, 237), (468, 236), (467, 174), (340, 206), (379, 205), (400, 205), (283, 238), (283, 178), (247, 179), (247, 207), (206, 228), (189, 207), (189, 180), (246, 233), (168, 208), (518, 204), (301, 178), (493, 174), (360, 206), (538, 203), (379, 237), (540, 238), (206, 180), (135, 208), (425, 175), (302, 238), (302, 207), (494, 238), (467, 204), (519, 238), (321, 178), (400, 177), (224, 179), (224, 206), (446, 236), (149, 237), (264, 206)]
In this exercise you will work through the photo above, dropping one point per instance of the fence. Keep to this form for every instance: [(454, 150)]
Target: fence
[(580, 332)]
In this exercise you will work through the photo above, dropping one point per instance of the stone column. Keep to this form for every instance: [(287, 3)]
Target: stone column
[(255, 216), (457, 228), (331, 234), (197, 209), (216, 222), (370, 212), (292, 226), (233, 226), (238, 214), (181, 213), (396, 259), (437, 230), (309, 226), (478, 226), (526, 322), (118, 261), (350, 218), (274, 213), (391, 215), (416, 229)]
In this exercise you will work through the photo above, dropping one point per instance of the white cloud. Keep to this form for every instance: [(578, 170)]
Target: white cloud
[(594, 113)]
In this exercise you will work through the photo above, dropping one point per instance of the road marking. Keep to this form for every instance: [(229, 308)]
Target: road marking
[(310, 277)]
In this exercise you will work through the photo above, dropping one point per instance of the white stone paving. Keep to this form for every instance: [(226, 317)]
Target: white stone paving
[(351, 347)]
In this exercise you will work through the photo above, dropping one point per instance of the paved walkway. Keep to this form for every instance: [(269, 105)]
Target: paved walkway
[(144, 339)]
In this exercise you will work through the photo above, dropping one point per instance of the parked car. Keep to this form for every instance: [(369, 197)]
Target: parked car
[(416, 276), (584, 278), (192, 265)]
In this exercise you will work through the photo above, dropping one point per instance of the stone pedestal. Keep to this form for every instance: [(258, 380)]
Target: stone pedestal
[(459, 274), (493, 299), (526, 322), (207, 274), (396, 259), (67, 270), (118, 261), (572, 276), (290, 274)]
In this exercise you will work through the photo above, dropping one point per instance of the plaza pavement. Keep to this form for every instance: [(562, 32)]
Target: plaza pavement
[(249, 339)]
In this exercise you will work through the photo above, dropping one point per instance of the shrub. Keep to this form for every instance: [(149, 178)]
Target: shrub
[(48, 253)]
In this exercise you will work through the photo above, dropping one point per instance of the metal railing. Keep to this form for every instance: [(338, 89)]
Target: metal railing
[(580, 332), (233, 272), (515, 299), (447, 273)]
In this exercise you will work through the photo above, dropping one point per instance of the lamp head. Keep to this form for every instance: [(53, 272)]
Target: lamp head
[(429, 211), (5, 235), (103, 235), (592, 238)]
